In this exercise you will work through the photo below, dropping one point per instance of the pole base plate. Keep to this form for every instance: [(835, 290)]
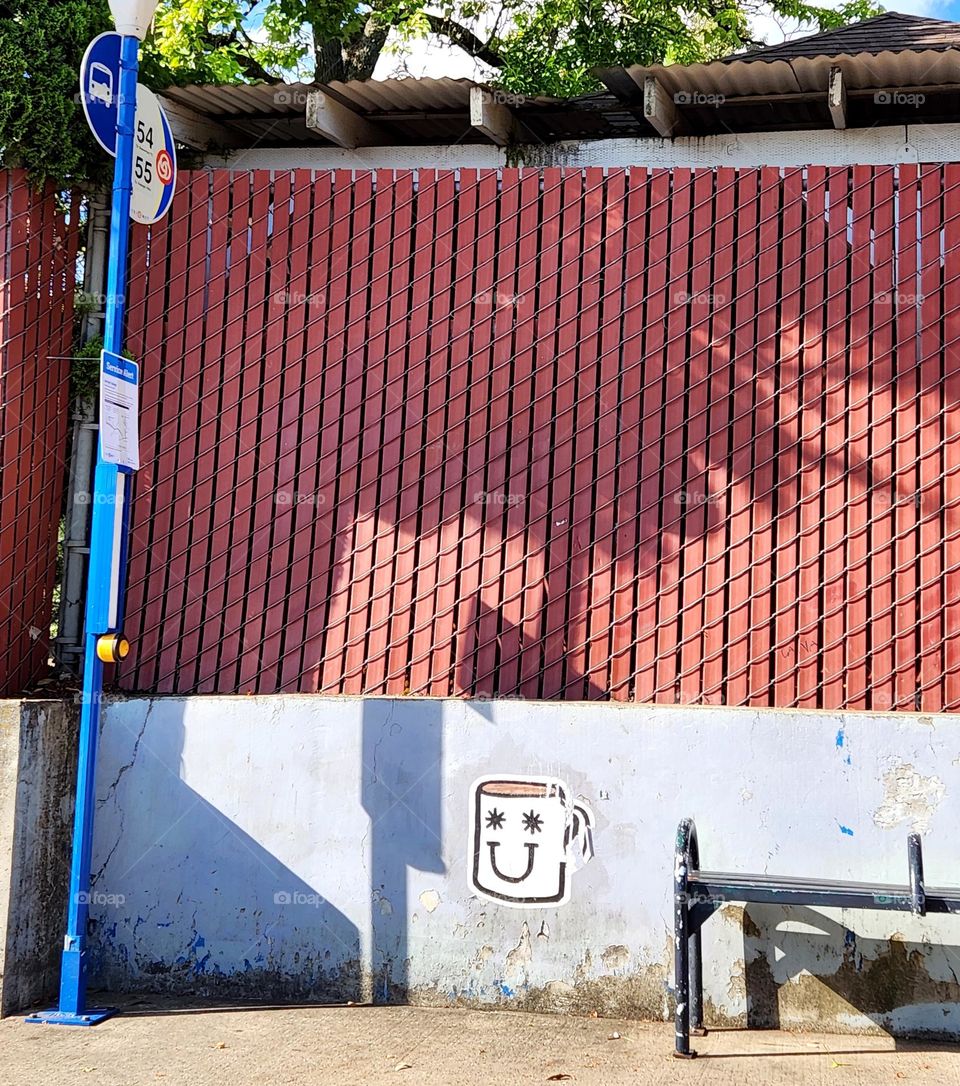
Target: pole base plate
[(64, 1018)]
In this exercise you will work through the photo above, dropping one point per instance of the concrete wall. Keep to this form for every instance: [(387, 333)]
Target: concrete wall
[(302, 847), (38, 754)]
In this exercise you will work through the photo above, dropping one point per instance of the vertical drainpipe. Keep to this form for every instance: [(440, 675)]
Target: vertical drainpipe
[(68, 647)]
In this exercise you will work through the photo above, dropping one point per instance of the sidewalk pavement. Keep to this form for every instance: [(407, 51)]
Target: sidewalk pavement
[(402, 1046)]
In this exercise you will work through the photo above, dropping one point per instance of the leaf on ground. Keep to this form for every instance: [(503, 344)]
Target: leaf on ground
[(403, 1066), (558, 1077)]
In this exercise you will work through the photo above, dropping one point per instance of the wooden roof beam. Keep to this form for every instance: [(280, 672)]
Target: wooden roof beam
[(332, 120), (490, 117), (837, 98), (659, 109)]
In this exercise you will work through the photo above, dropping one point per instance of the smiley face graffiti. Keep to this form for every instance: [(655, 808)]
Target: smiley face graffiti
[(523, 830)]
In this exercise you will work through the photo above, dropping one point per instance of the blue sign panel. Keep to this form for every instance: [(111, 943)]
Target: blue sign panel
[(100, 88)]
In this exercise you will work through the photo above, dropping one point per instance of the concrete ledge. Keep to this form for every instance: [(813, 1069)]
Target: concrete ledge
[(38, 751), (293, 848)]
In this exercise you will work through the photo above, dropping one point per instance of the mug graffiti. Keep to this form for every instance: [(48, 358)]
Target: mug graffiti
[(522, 833)]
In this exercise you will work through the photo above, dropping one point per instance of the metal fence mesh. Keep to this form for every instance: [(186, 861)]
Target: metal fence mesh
[(38, 250), (681, 436)]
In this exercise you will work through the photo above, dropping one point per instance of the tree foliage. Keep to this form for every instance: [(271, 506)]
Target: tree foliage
[(546, 46), (531, 46), (41, 122)]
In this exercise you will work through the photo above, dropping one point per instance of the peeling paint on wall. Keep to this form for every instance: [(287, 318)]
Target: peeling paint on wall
[(430, 899), (615, 957), (908, 797), (522, 954)]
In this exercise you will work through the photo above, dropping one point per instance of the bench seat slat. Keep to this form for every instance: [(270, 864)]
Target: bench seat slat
[(731, 878), (789, 890)]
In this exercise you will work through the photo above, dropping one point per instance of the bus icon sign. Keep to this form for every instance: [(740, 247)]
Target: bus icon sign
[(100, 85)]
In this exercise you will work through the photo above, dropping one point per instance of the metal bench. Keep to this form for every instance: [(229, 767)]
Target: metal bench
[(698, 894)]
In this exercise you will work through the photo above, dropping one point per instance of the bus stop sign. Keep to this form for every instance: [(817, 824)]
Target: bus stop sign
[(154, 153)]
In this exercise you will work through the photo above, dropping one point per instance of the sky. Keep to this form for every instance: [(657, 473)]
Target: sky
[(431, 58)]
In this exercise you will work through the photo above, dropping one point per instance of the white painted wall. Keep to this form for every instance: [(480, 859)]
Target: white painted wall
[(308, 847), (820, 147)]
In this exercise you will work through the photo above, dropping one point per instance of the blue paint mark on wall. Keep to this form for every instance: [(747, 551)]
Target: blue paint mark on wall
[(840, 738), (846, 830)]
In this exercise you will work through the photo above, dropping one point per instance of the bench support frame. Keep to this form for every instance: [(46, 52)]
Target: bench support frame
[(698, 894)]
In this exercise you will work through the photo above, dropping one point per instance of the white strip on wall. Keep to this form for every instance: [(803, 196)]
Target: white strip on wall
[(821, 147)]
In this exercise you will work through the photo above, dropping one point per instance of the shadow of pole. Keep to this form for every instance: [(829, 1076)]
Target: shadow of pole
[(401, 793)]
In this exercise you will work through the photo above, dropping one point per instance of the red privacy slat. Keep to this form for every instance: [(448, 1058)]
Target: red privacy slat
[(879, 472), (861, 290), (789, 460), (629, 333), (906, 490), (951, 437), (38, 247), (646, 435), (649, 423), (931, 359)]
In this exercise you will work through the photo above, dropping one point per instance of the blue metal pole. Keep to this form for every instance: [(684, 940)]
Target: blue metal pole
[(107, 549)]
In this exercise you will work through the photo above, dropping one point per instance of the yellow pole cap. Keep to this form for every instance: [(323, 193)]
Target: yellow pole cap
[(112, 647)]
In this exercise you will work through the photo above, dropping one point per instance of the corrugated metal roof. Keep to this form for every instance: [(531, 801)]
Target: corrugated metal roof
[(409, 110), (246, 99), (737, 95), (892, 31), (401, 95), (740, 78), (364, 96)]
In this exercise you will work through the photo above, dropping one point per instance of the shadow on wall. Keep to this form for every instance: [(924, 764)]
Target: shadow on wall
[(401, 792), (802, 967), (185, 901), (493, 653)]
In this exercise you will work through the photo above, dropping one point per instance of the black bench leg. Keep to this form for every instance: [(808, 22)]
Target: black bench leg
[(681, 972), (682, 940), (696, 984)]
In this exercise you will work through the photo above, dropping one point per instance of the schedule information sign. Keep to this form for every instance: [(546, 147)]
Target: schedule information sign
[(119, 396)]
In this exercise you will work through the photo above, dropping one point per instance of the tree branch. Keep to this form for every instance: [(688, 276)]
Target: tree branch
[(251, 68), (465, 39)]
